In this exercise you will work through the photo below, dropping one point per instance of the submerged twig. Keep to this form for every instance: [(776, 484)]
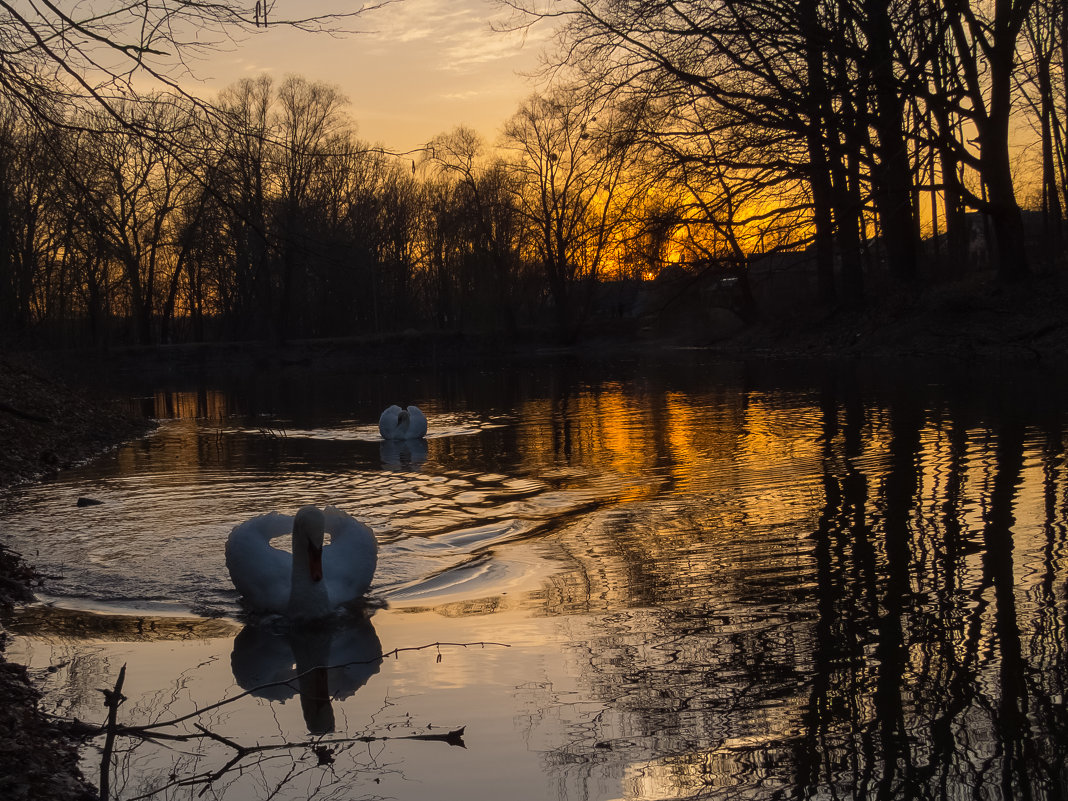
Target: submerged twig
[(113, 698), (322, 748), (145, 729)]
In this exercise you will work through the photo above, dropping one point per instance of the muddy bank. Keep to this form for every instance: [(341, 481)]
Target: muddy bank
[(972, 323), (45, 426)]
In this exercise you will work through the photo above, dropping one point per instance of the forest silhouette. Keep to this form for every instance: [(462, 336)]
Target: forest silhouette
[(754, 155)]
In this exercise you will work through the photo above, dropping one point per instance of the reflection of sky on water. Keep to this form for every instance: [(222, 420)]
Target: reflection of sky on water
[(414, 693), (710, 587), (183, 488)]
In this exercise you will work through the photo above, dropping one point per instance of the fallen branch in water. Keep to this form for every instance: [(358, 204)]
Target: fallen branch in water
[(113, 699), (145, 729), (149, 730), (323, 749)]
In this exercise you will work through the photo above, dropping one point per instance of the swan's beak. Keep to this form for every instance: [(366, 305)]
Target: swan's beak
[(315, 562)]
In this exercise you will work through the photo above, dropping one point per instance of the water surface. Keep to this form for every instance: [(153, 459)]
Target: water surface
[(652, 579)]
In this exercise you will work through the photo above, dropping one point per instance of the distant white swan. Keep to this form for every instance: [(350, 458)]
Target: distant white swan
[(398, 423), (312, 582)]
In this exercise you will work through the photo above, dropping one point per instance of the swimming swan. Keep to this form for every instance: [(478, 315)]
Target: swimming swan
[(398, 423), (313, 581)]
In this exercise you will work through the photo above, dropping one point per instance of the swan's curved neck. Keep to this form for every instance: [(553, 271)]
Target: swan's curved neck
[(308, 596)]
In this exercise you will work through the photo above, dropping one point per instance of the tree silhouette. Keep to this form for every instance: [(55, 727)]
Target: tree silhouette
[(571, 156), (859, 98), (54, 58)]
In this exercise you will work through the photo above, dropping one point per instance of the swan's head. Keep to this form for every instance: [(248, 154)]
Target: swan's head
[(308, 532)]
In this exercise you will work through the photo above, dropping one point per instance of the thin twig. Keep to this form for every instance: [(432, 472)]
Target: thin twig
[(113, 699), (144, 729)]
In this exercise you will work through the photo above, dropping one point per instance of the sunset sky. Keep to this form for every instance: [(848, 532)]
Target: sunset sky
[(417, 69)]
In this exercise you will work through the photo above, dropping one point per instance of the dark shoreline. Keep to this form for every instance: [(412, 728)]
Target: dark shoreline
[(972, 322), (45, 427)]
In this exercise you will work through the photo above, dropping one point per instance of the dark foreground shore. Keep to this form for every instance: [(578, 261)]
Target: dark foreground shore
[(44, 426)]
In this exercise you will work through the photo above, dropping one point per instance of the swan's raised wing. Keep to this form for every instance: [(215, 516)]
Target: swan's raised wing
[(261, 572), (416, 423), (349, 561), (388, 422)]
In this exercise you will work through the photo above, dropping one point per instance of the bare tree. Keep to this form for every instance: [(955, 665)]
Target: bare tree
[(310, 126), (472, 232), (376, 265), (132, 191), (313, 230), (755, 80), (571, 154), (241, 180), (844, 94), (57, 55), (1044, 33), (29, 247), (80, 66), (985, 58)]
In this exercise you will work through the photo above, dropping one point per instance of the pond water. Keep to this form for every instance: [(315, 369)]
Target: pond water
[(656, 578)]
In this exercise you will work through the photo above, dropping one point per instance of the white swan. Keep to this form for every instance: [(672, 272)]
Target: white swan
[(398, 423), (313, 581)]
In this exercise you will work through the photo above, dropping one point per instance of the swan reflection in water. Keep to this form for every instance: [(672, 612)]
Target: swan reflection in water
[(402, 454), (318, 663)]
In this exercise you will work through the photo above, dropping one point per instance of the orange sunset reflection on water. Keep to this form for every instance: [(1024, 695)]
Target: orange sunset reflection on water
[(670, 581)]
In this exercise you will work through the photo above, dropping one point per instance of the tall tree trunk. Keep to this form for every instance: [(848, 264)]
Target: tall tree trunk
[(1053, 215), (892, 173), (815, 136), (140, 301), (997, 167), (996, 39), (952, 194), (847, 204)]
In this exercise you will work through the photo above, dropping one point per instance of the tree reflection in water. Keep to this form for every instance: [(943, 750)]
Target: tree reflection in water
[(907, 642), (775, 584)]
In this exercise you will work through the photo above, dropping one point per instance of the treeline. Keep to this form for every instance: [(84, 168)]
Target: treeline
[(700, 137), (873, 123), (264, 216)]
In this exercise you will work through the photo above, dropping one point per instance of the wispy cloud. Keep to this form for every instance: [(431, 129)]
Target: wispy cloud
[(454, 36), (416, 67)]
